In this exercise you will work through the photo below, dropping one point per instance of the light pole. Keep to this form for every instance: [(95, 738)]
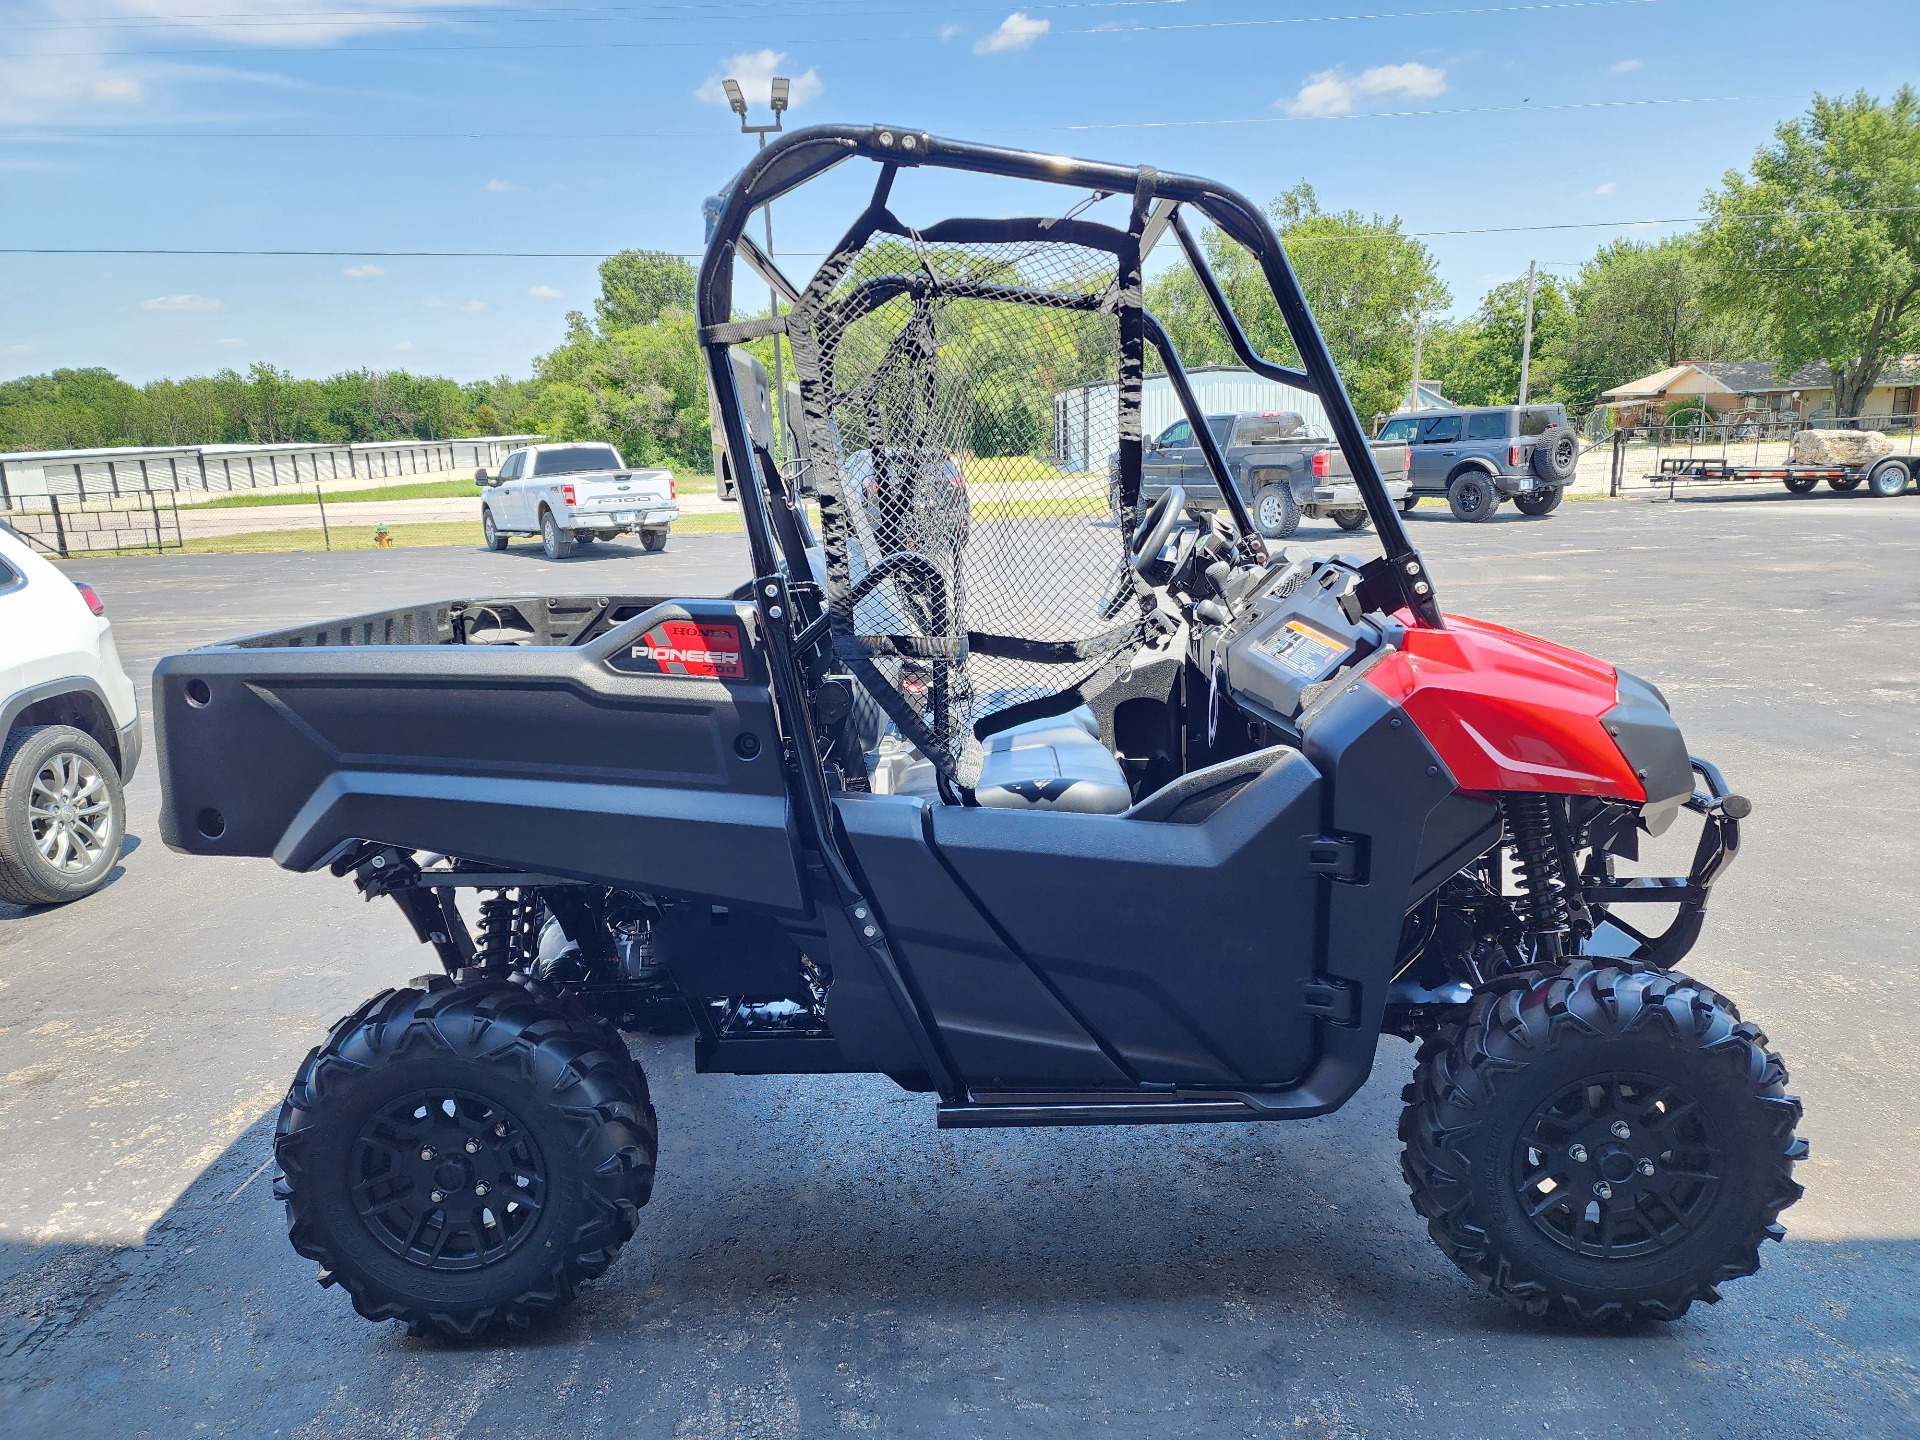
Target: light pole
[(1526, 343), (777, 102)]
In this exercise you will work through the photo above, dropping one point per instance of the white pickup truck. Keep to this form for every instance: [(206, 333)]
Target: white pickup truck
[(569, 495)]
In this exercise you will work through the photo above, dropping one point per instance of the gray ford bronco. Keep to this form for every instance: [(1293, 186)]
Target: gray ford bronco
[(1479, 455)]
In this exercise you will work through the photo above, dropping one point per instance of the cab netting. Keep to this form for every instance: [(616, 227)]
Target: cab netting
[(967, 393)]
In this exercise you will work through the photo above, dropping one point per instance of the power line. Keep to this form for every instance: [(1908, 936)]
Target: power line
[(718, 9), (1407, 114), (654, 44)]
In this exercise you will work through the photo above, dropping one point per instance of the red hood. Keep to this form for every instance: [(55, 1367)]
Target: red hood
[(1509, 711)]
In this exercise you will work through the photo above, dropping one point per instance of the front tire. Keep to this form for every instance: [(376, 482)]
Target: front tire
[(490, 533), (1601, 1146), (1843, 483), (1801, 484), (1471, 496), (1276, 514), (462, 1154), (62, 816), (556, 542), (1540, 502)]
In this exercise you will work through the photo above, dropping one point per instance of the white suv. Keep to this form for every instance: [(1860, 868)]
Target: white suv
[(69, 733)]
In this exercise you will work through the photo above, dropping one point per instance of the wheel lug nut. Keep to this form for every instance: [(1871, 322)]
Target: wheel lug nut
[(1603, 1190), (427, 1153), (1621, 1130), (473, 1147), (481, 1188), (1577, 1154), (1645, 1167), (438, 1196)]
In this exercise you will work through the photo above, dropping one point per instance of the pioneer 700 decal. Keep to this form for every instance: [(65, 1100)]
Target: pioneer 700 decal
[(710, 649)]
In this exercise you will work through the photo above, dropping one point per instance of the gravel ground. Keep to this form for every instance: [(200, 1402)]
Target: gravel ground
[(818, 1259)]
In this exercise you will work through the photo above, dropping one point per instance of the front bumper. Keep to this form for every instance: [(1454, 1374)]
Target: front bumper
[(1721, 811)]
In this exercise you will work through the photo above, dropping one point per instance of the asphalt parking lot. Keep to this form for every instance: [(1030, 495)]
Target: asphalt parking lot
[(818, 1259)]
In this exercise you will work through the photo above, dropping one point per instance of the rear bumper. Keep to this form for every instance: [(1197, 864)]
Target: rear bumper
[(1342, 494), (647, 515)]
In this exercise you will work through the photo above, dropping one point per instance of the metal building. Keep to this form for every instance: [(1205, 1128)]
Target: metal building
[(1083, 416)]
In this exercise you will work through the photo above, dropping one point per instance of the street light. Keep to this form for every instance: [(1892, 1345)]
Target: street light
[(778, 96)]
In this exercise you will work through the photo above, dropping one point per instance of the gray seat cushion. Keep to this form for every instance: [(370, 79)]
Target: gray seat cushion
[(1053, 764)]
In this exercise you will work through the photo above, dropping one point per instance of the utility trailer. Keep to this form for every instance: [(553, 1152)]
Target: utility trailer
[(1885, 477)]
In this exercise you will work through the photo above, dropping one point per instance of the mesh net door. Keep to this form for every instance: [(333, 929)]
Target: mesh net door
[(965, 400)]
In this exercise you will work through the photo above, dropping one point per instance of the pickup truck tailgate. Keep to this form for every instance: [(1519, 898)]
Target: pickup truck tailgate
[(610, 494)]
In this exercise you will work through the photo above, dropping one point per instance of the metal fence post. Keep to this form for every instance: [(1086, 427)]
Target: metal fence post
[(59, 526), (159, 543), (326, 535), (1619, 464)]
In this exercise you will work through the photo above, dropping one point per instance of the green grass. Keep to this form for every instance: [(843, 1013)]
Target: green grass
[(405, 537), (421, 490)]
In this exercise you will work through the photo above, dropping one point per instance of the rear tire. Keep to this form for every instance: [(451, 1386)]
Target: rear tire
[(1471, 496), (653, 541), (1350, 519), (62, 816), (489, 533), (1276, 514), (1843, 483), (1887, 479), (462, 1154), (1406, 505), (556, 542), (1540, 502), (1644, 1102), (1801, 484)]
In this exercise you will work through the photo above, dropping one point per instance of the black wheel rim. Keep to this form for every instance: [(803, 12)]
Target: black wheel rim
[(447, 1180), (1618, 1167)]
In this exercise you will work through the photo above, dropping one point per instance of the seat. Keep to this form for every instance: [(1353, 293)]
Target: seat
[(1056, 763)]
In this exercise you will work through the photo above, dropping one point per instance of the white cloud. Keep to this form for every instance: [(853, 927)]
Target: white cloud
[(117, 89), (950, 32), (544, 292), (182, 302), (363, 272), (1333, 92), (18, 349), (289, 22), (1606, 189), (404, 345), (755, 69), (229, 342), (1016, 32), (501, 187), (1623, 67), (468, 307)]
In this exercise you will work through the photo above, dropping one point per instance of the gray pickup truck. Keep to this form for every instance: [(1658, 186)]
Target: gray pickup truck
[(1284, 472), (1479, 455)]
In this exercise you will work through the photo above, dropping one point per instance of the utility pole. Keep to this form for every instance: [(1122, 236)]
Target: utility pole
[(777, 102), (1419, 343), (1526, 344)]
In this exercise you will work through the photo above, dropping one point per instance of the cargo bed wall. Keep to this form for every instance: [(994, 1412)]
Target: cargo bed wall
[(590, 762)]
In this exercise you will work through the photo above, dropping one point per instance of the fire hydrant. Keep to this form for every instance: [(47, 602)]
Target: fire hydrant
[(382, 539)]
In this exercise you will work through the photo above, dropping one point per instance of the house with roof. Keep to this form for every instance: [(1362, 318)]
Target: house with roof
[(1752, 387)]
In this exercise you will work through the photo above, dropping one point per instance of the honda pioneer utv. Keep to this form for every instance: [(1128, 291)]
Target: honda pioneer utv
[(1060, 810)]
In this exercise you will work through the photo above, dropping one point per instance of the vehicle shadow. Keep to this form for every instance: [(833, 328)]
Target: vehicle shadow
[(816, 1250), (598, 550), (11, 911)]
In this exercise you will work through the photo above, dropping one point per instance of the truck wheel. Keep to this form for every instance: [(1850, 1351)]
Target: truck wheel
[(1406, 505), (653, 541), (1556, 455), (62, 816), (1843, 483), (1276, 514), (461, 1154), (1801, 484), (489, 533), (556, 542), (1887, 479), (1471, 496), (1350, 519), (1601, 1146), (1540, 502)]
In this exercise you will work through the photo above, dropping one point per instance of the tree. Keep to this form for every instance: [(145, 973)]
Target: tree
[(638, 286), (1820, 240), (1637, 308), (1477, 362), (1368, 284)]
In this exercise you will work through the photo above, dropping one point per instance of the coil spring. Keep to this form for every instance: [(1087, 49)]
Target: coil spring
[(499, 931), (1542, 899)]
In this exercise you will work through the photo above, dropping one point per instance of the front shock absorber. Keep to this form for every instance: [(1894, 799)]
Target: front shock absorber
[(1541, 898)]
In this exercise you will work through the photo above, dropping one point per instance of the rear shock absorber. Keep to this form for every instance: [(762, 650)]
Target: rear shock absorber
[(499, 931), (1541, 901)]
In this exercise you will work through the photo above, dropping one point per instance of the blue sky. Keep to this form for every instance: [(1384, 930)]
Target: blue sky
[(589, 125)]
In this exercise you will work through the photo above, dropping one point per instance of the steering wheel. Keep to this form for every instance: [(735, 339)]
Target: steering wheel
[(1150, 535)]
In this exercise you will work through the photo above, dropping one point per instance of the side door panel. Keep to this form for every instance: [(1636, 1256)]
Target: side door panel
[(1437, 452), (1184, 947)]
